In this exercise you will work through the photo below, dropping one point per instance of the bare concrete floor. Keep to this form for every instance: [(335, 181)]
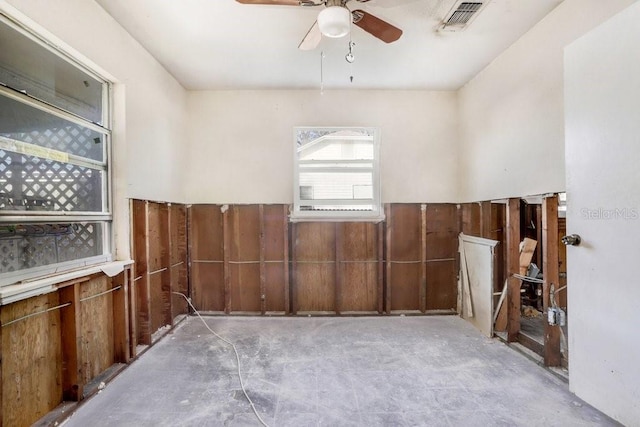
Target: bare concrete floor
[(329, 371)]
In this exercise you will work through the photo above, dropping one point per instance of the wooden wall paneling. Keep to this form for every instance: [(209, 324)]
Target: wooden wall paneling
[(471, 219), (387, 257), (423, 258), (552, 351), (561, 297), (358, 263), (294, 268), (315, 267), (206, 239), (275, 254), (486, 229), (159, 271), (513, 267), (31, 383), (441, 233), (121, 344), (226, 244), (96, 327), (381, 272), (244, 266), (286, 256), (141, 318), (263, 263), (404, 254), (178, 259), (139, 303), (339, 271)]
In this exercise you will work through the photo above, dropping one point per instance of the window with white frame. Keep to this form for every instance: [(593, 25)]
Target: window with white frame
[(336, 174), (55, 209)]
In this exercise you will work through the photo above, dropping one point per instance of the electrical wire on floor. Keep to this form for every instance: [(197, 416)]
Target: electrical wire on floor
[(235, 350)]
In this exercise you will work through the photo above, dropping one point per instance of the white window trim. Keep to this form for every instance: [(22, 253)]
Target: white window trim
[(375, 215), (13, 282)]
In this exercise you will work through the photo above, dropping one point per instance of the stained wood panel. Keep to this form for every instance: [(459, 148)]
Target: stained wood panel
[(178, 258), (471, 219), (96, 327), (141, 304), (275, 257), (441, 250), (31, 383), (358, 266), (159, 280), (404, 257), (315, 274), (206, 244), (244, 222)]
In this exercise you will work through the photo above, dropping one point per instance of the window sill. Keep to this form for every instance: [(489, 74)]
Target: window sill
[(31, 288), (336, 218)]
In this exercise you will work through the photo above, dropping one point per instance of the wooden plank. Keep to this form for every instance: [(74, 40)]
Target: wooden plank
[(442, 289), (208, 291), (359, 265), (338, 230), (72, 386), (513, 267), (244, 253), (315, 266), (121, 349), (95, 327), (206, 238), (287, 277), (178, 258), (387, 256), (32, 363), (441, 256), (405, 257), (294, 269), (471, 221), (423, 258), (140, 316), (380, 258), (486, 230), (226, 236), (552, 350), (276, 254), (263, 265)]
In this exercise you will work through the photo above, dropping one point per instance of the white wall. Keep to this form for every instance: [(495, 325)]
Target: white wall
[(602, 154), (241, 142), (511, 114), (150, 116)]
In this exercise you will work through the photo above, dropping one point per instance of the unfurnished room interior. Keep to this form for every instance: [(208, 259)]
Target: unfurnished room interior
[(319, 213)]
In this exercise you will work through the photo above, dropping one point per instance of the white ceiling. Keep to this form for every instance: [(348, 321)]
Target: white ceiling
[(222, 44)]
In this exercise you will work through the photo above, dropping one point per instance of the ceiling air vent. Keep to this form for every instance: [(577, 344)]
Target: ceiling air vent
[(461, 15)]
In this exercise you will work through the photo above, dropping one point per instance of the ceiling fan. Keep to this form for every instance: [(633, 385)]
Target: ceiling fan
[(335, 21)]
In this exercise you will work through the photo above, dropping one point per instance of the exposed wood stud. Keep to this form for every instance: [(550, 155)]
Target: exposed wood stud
[(552, 350), (513, 267)]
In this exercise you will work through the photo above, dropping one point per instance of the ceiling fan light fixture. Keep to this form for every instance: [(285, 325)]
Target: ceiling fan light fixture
[(334, 21)]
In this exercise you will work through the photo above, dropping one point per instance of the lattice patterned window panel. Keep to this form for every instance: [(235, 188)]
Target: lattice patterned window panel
[(27, 246)]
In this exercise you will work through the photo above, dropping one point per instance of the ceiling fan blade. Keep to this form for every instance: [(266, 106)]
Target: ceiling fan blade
[(312, 39), (376, 26), (274, 2)]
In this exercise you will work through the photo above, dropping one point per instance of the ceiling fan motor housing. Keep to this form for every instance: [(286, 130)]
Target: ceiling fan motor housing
[(334, 21)]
